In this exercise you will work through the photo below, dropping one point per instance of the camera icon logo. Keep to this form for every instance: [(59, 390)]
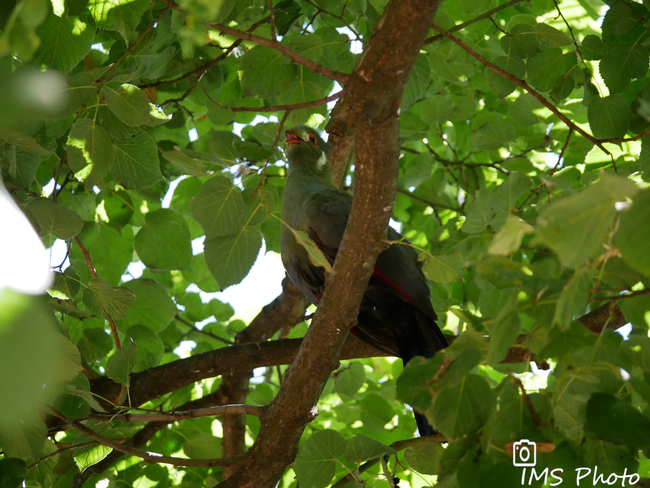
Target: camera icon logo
[(524, 453)]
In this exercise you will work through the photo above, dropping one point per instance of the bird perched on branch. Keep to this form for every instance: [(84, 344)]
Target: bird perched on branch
[(396, 315)]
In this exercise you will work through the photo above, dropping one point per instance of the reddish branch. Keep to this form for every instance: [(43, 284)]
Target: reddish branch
[(483, 16), (93, 273), (526, 87), (294, 56)]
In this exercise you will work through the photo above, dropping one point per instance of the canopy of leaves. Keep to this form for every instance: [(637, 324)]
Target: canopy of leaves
[(148, 134)]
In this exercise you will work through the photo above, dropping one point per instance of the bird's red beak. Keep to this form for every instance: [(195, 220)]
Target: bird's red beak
[(292, 138)]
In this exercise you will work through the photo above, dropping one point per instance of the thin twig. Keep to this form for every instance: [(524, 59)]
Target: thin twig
[(527, 400), (201, 331), (128, 51), (428, 202), (277, 108), (59, 451), (205, 66), (526, 87), (183, 415), (93, 273), (273, 36), (483, 16), (150, 456), (559, 159), (294, 56), (86, 254)]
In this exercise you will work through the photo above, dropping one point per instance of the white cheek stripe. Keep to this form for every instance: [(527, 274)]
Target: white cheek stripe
[(321, 161)]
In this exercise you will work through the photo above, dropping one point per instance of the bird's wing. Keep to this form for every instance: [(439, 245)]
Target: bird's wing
[(327, 215)]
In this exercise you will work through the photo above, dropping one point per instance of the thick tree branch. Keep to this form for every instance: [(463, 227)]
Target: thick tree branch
[(378, 82), (281, 48)]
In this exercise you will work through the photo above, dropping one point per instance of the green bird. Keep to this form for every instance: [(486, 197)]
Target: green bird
[(396, 315)]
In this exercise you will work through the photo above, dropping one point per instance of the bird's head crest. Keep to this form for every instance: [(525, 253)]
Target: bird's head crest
[(307, 148)]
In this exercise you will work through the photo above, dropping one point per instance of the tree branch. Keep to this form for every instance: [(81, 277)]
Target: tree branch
[(294, 56), (378, 82), (483, 16), (276, 108), (526, 87), (149, 456)]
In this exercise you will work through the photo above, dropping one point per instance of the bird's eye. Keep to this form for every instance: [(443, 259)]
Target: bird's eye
[(312, 139)]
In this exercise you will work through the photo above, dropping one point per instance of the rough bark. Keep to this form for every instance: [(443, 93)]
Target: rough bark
[(376, 87)]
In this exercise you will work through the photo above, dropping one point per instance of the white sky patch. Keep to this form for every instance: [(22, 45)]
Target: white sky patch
[(194, 135), (24, 261)]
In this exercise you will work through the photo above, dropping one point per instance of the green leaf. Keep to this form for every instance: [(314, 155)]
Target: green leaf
[(110, 250), (315, 464), (95, 345), (29, 337), (121, 364), (219, 207), (24, 438), (122, 16), (592, 47), (230, 258), (131, 105), (188, 165), (152, 307), (64, 42), (511, 64), (502, 336), (574, 299), (50, 218), (66, 285), (508, 239), (443, 268), (12, 472), (616, 420), (437, 109), (506, 196), (576, 226), (9, 135), (259, 204), (200, 275), (251, 150), (150, 348), (348, 382), (116, 207), (551, 37), (88, 455), (164, 241), (621, 64), (633, 236), (609, 117), (264, 72), (202, 446), (464, 409), (522, 110), (136, 165), (90, 151), (424, 458), (493, 135), (362, 448), (545, 68), (286, 13), (105, 301), (479, 213), (221, 144)]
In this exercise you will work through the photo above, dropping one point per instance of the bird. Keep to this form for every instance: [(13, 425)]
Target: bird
[(396, 315)]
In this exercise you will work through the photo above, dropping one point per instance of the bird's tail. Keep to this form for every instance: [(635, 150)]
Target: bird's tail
[(425, 341)]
